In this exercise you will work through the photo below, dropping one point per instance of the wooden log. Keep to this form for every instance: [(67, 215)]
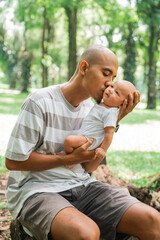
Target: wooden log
[(17, 232)]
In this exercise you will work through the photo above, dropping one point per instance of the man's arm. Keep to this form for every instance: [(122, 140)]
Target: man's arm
[(127, 107), (40, 162), (100, 151)]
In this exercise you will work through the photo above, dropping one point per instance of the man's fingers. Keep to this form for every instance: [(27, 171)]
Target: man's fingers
[(136, 98), (127, 107), (87, 144), (124, 105), (61, 153), (130, 105)]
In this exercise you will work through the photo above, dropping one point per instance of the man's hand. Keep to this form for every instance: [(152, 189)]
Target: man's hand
[(71, 166), (100, 154), (133, 100)]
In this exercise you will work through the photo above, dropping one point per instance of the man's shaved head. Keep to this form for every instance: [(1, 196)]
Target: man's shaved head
[(96, 70), (95, 54)]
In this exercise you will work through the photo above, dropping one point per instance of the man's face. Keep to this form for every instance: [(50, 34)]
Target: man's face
[(100, 75)]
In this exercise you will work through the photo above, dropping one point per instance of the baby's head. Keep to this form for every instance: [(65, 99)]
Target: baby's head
[(115, 95)]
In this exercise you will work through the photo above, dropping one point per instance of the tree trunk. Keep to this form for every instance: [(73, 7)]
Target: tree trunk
[(130, 51), (72, 31), (25, 66), (44, 49), (153, 47)]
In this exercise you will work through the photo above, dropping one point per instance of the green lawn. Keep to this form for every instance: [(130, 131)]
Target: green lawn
[(3, 169), (141, 116), (136, 167), (10, 103)]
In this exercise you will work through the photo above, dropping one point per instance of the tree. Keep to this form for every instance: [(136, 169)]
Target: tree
[(72, 33), (71, 8), (149, 12), (126, 18), (35, 15), (25, 59), (8, 51), (128, 36), (45, 41)]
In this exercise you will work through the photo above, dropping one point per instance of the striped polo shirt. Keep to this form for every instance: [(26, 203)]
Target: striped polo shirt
[(45, 120)]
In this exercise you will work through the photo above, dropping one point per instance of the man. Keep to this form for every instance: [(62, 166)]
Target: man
[(66, 203)]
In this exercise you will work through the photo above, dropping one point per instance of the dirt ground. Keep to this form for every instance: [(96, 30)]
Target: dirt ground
[(141, 137)]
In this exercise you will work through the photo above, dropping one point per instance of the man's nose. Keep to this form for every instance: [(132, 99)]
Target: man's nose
[(108, 83)]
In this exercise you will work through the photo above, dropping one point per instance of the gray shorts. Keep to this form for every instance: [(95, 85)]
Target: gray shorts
[(108, 202)]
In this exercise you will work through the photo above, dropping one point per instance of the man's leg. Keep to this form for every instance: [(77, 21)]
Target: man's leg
[(39, 211), (142, 221), (70, 224)]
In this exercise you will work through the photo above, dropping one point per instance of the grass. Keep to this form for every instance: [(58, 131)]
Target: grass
[(3, 169), (136, 167), (10, 103), (141, 116)]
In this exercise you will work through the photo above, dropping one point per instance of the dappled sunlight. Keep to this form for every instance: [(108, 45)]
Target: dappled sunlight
[(8, 91)]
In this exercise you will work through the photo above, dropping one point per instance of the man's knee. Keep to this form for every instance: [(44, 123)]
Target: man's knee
[(80, 232), (151, 224), (71, 224), (142, 221), (88, 233), (154, 223)]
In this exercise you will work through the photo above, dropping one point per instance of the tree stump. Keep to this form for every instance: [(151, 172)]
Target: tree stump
[(17, 232)]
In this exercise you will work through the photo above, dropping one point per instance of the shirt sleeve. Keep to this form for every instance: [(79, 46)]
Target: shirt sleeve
[(110, 117), (27, 134)]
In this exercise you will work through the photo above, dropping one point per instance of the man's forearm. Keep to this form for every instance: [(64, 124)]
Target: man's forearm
[(40, 162), (37, 162)]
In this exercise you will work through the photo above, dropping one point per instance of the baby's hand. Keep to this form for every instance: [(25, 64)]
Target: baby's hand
[(100, 154)]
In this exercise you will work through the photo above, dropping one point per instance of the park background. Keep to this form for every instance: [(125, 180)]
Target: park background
[(40, 43)]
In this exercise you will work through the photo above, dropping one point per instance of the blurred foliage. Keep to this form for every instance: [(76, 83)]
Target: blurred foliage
[(123, 26)]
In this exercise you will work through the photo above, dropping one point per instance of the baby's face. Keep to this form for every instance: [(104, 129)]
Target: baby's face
[(115, 95)]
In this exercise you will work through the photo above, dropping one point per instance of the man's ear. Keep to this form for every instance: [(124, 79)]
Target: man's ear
[(83, 67)]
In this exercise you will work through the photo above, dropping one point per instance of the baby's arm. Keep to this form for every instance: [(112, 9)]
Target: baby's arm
[(100, 151)]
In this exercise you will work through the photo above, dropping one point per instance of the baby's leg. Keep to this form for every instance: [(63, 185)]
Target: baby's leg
[(73, 141)]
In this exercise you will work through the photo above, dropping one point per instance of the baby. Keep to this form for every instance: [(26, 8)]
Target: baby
[(100, 123)]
